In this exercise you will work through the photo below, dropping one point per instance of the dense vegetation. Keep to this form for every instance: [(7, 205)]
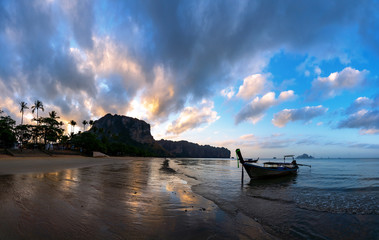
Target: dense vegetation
[(112, 134), (48, 130)]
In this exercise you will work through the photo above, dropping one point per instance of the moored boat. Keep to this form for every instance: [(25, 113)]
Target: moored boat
[(269, 169)]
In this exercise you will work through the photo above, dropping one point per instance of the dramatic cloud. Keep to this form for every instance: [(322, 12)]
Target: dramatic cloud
[(80, 15), (303, 114), (193, 117), (255, 110), (92, 57), (335, 83)]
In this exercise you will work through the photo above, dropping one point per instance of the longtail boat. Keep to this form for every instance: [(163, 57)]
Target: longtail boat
[(269, 169)]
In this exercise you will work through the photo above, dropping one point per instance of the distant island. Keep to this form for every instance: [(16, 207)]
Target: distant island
[(124, 135), (304, 156)]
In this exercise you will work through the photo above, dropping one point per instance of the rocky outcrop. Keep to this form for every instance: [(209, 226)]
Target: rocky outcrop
[(126, 135), (304, 156), (123, 129), (193, 150)]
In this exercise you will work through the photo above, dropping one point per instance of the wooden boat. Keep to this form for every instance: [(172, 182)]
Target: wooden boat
[(269, 169), (252, 160)]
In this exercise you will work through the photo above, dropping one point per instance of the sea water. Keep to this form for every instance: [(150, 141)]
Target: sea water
[(334, 199)]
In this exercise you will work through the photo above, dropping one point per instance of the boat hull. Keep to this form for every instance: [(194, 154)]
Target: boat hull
[(255, 171)]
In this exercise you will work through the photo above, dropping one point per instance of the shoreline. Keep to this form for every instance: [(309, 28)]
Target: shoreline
[(34, 164), (149, 200)]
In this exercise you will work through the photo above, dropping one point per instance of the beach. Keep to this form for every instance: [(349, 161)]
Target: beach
[(75, 197)]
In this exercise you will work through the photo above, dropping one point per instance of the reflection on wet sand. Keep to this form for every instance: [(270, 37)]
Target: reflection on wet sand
[(128, 199)]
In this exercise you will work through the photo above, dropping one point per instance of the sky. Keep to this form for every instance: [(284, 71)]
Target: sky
[(269, 77)]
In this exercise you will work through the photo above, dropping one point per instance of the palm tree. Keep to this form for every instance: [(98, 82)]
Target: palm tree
[(84, 124), (53, 115), (72, 123), (1, 111), (23, 106), (37, 105)]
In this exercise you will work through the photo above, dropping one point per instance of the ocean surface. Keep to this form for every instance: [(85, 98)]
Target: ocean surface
[(157, 198), (334, 199)]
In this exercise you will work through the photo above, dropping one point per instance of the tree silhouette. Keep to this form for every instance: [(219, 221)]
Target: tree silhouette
[(72, 123), (37, 105), (23, 106), (53, 115), (84, 124), (51, 127)]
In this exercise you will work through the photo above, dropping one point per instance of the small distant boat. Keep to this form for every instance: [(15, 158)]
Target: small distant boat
[(269, 169), (252, 160)]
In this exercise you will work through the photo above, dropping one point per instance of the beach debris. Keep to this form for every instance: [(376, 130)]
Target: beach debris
[(99, 154)]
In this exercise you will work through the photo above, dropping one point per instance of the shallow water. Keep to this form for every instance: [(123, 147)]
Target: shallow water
[(141, 199), (335, 199), (192, 199)]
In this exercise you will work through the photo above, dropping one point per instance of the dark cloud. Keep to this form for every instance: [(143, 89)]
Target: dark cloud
[(369, 25), (361, 103), (113, 95), (198, 43), (362, 119), (363, 114), (201, 41), (37, 62), (80, 14)]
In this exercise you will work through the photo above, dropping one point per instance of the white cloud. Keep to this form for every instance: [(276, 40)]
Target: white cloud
[(228, 92), (369, 131), (254, 111), (193, 117), (247, 137), (305, 114), (317, 70), (335, 83), (286, 95), (254, 85)]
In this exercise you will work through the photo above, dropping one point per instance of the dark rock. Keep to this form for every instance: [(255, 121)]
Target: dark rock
[(193, 150), (304, 156), (131, 136), (124, 129)]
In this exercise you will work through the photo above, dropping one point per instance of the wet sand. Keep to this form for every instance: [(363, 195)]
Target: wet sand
[(72, 197)]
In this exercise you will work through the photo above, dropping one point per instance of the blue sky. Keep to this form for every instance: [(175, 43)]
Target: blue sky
[(269, 77)]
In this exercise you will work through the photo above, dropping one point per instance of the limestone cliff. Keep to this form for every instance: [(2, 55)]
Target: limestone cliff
[(193, 150), (125, 135), (124, 129)]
